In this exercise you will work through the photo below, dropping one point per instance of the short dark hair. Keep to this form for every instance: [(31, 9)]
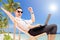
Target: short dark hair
[(18, 8)]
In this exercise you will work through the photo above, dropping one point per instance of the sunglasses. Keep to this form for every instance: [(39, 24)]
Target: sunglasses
[(19, 11)]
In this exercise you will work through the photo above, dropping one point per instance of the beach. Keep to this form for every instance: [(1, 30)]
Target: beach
[(26, 37)]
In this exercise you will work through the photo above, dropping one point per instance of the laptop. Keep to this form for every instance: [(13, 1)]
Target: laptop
[(47, 20)]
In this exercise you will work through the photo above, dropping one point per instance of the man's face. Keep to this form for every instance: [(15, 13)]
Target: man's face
[(18, 13)]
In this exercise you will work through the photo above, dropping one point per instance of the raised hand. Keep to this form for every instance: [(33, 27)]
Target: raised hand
[(30, 9)]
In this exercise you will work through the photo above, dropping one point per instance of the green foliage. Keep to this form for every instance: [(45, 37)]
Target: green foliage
[(3, 22), (0, 0), (0, 16), (11, 5), (10, 1), (7, 37)]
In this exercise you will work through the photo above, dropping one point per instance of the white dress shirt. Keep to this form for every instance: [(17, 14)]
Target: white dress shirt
[(25, 23)]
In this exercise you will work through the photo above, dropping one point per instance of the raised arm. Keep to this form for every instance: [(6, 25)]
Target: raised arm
[(32, 14), (12, 18), (9, 14)]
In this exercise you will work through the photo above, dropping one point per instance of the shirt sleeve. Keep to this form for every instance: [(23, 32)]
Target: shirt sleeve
[(29, 21)]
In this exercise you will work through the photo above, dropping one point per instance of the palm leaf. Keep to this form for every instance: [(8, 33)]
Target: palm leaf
[(1, 17), (5, 22), (15, 5), (0, 0), (10, 1), (6, 6), (11, 8), (7, 37)]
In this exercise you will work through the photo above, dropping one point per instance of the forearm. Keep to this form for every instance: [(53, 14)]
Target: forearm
[(33, 26), (32, 17), (9, 14), (38, 25)]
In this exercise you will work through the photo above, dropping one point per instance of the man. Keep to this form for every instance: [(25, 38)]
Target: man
[(25, 25)]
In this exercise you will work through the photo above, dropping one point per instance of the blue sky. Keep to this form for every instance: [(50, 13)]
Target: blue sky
[(41, 11)]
